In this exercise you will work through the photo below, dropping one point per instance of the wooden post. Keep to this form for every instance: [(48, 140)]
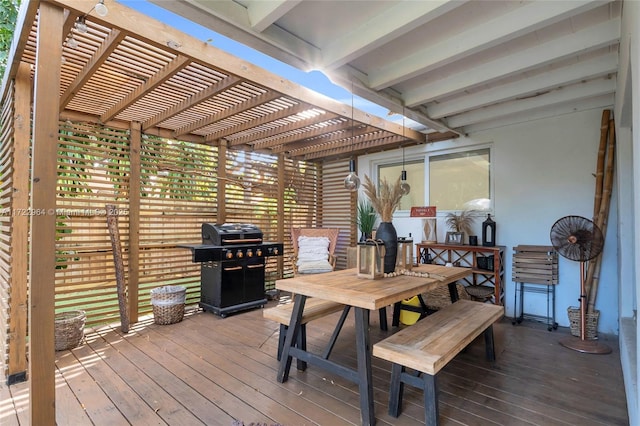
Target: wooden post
[(20, 226), (46, 97), (353, 206), (280, 223), (135, 147), (114, 233), (222, 181)]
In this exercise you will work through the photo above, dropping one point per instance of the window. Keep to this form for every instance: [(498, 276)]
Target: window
[(460, 180), (415, 178)]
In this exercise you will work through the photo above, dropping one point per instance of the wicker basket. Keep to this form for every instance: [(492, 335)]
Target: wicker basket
[(69, 329), (591, 323), (168, 304), (439, 298)]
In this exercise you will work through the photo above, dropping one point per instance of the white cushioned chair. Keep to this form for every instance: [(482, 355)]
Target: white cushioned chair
[(314, 249)]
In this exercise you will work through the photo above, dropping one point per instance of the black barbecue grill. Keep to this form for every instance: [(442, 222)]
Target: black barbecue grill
[(233, 266)]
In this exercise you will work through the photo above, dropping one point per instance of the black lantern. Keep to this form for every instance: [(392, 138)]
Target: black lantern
[(488, 232)]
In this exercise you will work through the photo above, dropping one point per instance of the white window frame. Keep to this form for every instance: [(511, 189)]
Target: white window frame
[(437, 153), (390, 160)]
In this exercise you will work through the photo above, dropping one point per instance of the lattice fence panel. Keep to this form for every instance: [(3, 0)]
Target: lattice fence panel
[(179, 189), (6, 183), (252, 197), (337, 207), (300, 202), (93, 171)]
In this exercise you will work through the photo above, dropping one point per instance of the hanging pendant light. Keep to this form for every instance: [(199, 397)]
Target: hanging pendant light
[(81, 25), (352, 181), (405, 188), (72, 43), (101, 9)]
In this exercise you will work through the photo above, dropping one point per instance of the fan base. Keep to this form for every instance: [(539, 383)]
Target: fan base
[(585, 346)]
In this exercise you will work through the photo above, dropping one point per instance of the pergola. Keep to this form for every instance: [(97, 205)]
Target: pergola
[(130, 72)]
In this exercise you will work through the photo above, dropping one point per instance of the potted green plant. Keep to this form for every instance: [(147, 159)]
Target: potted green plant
[(366, 219)]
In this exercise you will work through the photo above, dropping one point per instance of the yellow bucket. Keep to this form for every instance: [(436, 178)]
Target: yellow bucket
[(410, 317)]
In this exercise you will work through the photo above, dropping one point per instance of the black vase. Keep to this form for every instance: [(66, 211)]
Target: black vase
[(387, 233)]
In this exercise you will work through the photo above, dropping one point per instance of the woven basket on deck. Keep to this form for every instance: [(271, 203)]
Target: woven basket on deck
[(69, 329), (168, 304), (439, 298), (591, 323)]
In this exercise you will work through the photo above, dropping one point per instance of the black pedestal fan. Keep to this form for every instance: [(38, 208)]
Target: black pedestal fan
[(579, 239)]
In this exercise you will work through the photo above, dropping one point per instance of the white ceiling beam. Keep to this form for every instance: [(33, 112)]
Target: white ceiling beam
[(575, 92), (264, 13), (398, 20), (231, 19), (580, 42), (230, 11), (392, 103), (586, 70), (524, 20), (600, 102)]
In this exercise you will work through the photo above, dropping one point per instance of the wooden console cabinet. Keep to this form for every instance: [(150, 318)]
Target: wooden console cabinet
[(486, 263)]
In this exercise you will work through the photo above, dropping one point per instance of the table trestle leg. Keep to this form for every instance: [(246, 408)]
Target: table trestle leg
[(292, 335), (336, 332), (365, 376)]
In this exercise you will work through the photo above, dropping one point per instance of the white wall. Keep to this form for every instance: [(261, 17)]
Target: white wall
[(627, 119), (543, 170)]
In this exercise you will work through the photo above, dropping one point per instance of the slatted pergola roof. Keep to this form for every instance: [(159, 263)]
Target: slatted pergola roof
[(128, 68)]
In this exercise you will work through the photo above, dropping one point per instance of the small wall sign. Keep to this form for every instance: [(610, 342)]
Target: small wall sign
[(426, 211)]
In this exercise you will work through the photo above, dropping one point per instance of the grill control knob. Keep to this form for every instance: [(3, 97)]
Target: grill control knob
[(249, 253), (239, 254), (258, 252), (229, 255)]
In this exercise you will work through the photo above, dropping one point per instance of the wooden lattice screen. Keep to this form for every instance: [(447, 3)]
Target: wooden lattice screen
[(178, 193), (6, 182), (163, 199), (93, 170), (336, 207), (15, 158)]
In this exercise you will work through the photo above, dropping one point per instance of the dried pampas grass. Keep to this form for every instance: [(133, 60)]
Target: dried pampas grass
[(461, 222), (385, 199)]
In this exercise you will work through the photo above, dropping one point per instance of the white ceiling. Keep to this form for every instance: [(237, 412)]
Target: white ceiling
[(464, 66)]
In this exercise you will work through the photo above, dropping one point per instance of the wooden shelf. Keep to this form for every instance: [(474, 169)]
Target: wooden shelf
[(467, 256)]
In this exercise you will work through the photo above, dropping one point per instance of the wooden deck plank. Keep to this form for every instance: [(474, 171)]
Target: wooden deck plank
[(229, 361), (157, 397), (116, 387), (96, 404), (214, 371), (225, 389), (68, 411), (8, 409), (173, 381), (227, 374)]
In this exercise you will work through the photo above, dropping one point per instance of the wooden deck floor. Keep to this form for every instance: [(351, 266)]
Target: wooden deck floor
[(213, 371)]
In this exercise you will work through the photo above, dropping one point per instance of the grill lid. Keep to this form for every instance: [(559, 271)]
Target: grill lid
[(230, 233)]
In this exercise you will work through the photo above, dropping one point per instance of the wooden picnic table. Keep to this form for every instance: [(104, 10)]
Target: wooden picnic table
[(363, 295)]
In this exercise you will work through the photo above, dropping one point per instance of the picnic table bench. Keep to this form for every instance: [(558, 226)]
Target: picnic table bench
[(430, 344)]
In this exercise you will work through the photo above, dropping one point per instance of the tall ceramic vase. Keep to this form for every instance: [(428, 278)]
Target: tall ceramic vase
[(387, 233)]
